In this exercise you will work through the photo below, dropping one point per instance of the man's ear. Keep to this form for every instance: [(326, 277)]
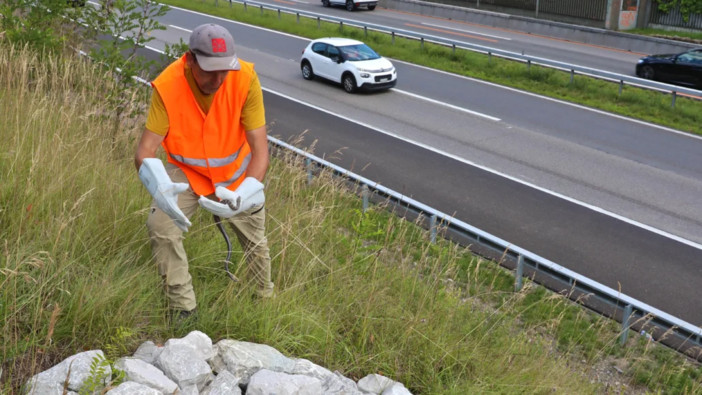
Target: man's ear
[(190, 58)]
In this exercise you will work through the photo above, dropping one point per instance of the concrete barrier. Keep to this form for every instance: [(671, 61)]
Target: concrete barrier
[(566, 31)]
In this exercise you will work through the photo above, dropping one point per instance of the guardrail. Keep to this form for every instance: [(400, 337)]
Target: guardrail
[(621, 79), (632, 313)]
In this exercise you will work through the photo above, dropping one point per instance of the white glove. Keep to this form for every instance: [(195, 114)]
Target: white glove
[(164, 191), (247, 195)]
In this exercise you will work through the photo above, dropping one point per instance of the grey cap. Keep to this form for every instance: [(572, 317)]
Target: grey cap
[(213, 47)]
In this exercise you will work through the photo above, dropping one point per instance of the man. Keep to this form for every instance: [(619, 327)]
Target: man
[(207, 112)]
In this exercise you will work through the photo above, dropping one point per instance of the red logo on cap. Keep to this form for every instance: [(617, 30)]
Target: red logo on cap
[(218, 45)]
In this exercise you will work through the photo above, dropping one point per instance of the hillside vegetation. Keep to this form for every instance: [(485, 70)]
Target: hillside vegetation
[(359, 292)]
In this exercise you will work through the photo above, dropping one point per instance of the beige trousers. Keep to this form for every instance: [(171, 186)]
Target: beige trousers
[(169, 254)]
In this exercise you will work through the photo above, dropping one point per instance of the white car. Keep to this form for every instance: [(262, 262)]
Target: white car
[(352, 4), (349, 62)]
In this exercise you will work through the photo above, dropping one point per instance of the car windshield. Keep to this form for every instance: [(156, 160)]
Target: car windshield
[(358, 52)]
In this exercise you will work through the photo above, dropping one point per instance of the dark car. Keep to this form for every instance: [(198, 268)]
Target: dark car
[(680, 69)]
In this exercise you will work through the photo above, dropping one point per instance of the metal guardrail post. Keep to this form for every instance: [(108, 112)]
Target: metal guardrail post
[(365, 31), (261, 9), (364, 194), (675, 95), (393, 37), (421, 43), (308, 166), (528, 64), (341, 26), (572, 76), (245, 7), (626, 316), (453, 49), (519, 274), (278, 14), (298, 17), (319, 25), (621, 87), (432, 228)]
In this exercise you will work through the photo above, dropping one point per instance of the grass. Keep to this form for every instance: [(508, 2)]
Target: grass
[(680, 34), (643, 104), (359, 292)]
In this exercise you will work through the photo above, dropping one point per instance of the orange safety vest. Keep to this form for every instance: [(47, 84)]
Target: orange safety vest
[(211, 148)]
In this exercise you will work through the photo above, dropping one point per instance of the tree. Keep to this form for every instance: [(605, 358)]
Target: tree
[(687, 7)]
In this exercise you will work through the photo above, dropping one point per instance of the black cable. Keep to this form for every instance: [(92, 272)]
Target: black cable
[(218, 221)]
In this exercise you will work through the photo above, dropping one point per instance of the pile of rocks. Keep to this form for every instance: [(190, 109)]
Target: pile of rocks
[(193, 365)]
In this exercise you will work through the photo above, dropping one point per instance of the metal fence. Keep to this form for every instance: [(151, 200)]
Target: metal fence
[(593, 10), (674, 18)]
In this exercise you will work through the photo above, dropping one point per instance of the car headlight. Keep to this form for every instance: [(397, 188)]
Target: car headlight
[(640, 61)]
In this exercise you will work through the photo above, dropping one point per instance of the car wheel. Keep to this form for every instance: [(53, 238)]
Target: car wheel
[(371, 7), (349, 83), (325, 3), (647, 72), (349, 5), (307, 72)]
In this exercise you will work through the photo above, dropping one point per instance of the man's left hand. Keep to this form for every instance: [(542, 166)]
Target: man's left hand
[(247, 195)]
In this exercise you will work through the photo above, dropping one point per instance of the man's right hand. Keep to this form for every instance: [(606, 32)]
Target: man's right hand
[(164, 191)]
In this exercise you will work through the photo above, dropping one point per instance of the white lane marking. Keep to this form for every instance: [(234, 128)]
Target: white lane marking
[(601, 112), (466, 31), (507, 176), (181, 28), (554, 100), (451, 106)]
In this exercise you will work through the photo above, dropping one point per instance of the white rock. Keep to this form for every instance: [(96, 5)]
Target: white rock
[(180, 363), (148, 352), (198, 341), (51, 380), (141, 372), (396, 389), (133, 388), (224, 384), (189, 390), (243, 359), (267, 382), (332, 383), (374, 383)]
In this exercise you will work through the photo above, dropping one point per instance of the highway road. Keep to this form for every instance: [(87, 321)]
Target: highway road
[(554, 48), (611, 198)]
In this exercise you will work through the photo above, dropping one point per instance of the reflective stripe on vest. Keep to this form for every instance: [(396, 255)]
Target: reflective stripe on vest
[(211, 148), (214, 162)]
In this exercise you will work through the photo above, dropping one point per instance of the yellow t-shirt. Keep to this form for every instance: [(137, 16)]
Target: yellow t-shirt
[(252, 115)]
